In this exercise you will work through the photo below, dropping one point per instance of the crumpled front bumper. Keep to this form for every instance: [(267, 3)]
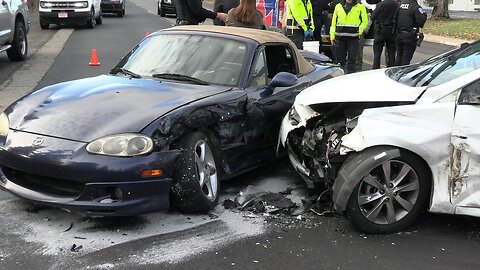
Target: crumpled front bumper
[(62, 174)]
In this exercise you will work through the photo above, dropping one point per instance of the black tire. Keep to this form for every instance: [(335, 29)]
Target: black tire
[(91, 20), (398, 208), (19, 49), (186, 192), (44, 26), (162, 12), (99, 20)]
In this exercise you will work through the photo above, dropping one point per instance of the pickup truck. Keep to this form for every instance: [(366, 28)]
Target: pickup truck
[(14, 27)]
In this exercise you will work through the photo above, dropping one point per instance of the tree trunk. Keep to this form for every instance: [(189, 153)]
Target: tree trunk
[(441, 10)]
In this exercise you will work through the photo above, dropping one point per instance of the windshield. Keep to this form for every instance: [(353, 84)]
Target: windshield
[(439, 69), (186, 58)]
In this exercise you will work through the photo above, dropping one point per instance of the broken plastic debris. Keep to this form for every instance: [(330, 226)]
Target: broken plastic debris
[(69, 227), (75, 248)]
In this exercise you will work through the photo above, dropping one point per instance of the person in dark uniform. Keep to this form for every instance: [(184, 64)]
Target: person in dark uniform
[(411, 17), (320, 19), (191, 12), (223, 6), (384, 17)]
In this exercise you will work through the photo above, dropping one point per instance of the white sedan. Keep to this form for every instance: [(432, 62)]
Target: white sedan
[(393, 143)]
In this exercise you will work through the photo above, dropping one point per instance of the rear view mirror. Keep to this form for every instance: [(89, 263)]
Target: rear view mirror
[(282, 79)]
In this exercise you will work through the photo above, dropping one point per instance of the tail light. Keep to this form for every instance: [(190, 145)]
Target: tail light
[(25, 2), (281, 12)]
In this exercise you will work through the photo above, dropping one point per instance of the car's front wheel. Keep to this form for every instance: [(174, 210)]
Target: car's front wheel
[(19, 49), (91, 19), (44, 26), (99, 20), (195, 183), (391, 196)]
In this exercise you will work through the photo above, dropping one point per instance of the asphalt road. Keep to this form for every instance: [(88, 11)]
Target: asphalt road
[(42, 238)]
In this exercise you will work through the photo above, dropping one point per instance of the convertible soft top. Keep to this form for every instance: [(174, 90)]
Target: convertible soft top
[(260, 36)]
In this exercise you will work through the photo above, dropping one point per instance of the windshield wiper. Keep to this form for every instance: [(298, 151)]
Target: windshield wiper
[(179, 77), (129, 73)]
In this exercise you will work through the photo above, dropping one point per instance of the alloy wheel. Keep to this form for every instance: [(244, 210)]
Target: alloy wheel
[(206, 169), (389, 192)]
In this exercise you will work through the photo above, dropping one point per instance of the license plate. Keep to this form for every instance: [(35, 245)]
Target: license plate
[(62, 15)]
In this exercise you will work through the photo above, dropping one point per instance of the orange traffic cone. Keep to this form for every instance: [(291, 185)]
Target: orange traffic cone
[(94, 59)]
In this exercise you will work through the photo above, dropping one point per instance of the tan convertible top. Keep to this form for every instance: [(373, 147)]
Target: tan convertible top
[(260, 36)]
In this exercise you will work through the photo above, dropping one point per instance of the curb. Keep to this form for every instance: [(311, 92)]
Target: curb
[(445, 40)]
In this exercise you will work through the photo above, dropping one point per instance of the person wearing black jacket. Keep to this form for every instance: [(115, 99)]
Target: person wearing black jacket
[(320, 18), (223, 6), (384, 17), (191, 12), (411, 17)]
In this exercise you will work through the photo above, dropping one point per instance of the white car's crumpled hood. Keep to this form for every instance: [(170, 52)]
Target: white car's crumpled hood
[(369, 86)]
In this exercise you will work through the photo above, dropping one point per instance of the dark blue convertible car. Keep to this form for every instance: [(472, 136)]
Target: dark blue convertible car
[(186, 108)]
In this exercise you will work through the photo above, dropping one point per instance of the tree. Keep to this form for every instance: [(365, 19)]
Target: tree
[(440, 10)]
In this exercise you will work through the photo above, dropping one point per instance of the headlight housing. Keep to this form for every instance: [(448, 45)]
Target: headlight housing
[(46, 4), (122, 145), (82, 4)]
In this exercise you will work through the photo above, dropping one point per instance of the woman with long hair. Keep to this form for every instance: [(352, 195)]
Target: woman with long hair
[(245, 15)]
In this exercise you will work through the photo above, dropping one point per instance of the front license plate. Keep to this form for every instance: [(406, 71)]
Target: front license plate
[(62, 15)]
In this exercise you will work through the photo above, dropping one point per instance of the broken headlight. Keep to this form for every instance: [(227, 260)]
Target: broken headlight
[(123, 145), (4, 125), (293, 116)]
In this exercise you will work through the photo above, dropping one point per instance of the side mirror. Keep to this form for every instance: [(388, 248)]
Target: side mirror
[(282, 79)]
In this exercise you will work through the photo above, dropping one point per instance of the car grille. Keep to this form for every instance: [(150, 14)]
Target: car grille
[(62, 4), (42, 184)]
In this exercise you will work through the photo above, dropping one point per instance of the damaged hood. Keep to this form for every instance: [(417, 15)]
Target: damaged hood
[(87, 109), (369, 86)]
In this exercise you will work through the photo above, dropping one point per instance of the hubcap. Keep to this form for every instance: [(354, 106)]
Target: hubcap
[(206, 170), (389, 192), (22, 41)]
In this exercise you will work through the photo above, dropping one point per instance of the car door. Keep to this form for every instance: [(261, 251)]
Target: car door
[(465, 159), (5, 25), (265, 113)]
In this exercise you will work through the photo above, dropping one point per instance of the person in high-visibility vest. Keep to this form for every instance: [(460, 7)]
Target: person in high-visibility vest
[(299, 21), (348, 23)]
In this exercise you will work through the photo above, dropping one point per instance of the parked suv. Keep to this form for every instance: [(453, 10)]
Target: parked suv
[(14, 28), (70, 12)]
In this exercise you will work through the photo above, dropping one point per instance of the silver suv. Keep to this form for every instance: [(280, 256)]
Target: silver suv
[(13, 28)]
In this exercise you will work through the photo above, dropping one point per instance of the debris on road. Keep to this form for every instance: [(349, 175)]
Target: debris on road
[(69, 227), (76, 248)]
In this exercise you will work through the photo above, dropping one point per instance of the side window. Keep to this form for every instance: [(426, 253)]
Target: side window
[(470, 94), (279, 59), (258, 76)]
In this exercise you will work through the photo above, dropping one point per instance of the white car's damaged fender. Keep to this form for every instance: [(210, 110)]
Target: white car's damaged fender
[(424, 130)]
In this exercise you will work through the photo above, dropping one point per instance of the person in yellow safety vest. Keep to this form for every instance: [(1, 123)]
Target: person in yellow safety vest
[(299, 21), (348, 23)]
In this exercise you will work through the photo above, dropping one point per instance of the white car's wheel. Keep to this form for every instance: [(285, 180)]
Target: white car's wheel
[(391, 196)]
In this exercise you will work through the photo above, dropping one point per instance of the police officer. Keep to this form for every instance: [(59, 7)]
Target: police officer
[(299, 21), (320, 19), (384, 18), (348, 23), (411, 17)]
